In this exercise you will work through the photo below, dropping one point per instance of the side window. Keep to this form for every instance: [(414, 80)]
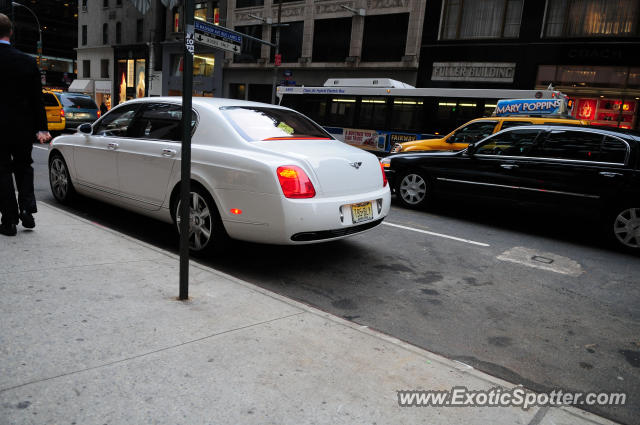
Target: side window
[(613, 150), (473, 132), (159, 121), (509, 124), (117, 122), (341, 112), (49, 100), (509, 143), (373, 113), (576, 145)]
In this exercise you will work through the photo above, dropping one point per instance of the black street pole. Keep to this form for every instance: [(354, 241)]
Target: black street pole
[(277, 51), (185, 182)]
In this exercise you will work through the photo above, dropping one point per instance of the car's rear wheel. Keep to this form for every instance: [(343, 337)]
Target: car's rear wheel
[(413, 189), (625, 224), (206, 231), (60, 180)]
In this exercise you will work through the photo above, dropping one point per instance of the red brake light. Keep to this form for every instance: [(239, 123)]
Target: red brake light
[(384, 176), (295, 183), (98, 113), (61, 112)]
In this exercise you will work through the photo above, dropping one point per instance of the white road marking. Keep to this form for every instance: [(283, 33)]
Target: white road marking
[(41, 147), (542, 260), (440, 235)]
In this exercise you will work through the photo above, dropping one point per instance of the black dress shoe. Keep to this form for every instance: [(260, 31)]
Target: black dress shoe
[(8, 229), (27, 220)]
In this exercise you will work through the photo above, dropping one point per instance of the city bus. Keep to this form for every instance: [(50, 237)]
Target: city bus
[(376, 113)]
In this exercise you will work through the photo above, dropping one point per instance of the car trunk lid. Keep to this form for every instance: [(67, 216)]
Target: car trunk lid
[(339, 169)]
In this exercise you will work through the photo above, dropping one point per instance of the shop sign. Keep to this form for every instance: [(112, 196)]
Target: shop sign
[(498, 72)]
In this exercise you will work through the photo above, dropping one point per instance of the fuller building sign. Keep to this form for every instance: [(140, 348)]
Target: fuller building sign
[(499, 72)]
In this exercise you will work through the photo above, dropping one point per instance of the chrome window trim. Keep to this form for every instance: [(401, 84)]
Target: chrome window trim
[(541, 158), (557, 192)]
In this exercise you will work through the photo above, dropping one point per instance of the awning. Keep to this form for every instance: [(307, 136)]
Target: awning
[(103, 87), (81, 86)]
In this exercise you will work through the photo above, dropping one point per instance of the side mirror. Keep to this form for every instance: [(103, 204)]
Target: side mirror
[(85, 128), (471, 149)]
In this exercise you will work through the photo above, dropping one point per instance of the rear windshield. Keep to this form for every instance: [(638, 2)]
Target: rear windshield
[(80, 102), (49, 100), (264, 123)]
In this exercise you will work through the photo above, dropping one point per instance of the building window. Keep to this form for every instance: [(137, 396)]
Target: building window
[(331, 39), (104, 68), (86, 69), (118, 32), (200, 11), (237, 91), (176, 20), (385, 37), (84, 4), (119, 3), (84, 35), (105, 3), (587, 18), (105, 33), (203, 65), (249, 3), (470, 19), (139, 28), (290, 41), (250, 52)]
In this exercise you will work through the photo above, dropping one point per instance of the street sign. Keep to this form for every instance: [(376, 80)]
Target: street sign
[(215, 36), (277, 60)]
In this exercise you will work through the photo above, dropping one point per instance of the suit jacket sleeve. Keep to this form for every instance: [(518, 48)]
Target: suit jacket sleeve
[(37, 104)]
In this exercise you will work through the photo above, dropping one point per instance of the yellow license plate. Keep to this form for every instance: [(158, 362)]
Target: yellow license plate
[(361, 212)]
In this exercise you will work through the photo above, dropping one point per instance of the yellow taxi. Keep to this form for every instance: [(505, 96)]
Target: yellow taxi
[(55, 113), (508, 113), (475, 130)]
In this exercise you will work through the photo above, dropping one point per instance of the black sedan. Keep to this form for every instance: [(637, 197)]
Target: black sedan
[(593, 169)]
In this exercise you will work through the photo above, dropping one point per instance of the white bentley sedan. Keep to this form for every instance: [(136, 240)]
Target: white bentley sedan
[(259, 172)]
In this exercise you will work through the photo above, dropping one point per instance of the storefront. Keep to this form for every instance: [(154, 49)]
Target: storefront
[(131, 74), (604, 95)]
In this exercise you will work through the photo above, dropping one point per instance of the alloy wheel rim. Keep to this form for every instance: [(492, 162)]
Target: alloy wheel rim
[(413, 189), (200, 222), (627, 227), (59, 179)]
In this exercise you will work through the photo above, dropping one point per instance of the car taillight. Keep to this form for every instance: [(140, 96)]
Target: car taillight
[(61, 112), (295, 183), (98, 114), (384, 177)]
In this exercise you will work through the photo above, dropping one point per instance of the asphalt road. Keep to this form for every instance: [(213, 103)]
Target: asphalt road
[(459, 281)]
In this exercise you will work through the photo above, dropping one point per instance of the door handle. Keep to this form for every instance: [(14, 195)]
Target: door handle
[(112, 146), (168, 152), (609, 174), (508, 166)]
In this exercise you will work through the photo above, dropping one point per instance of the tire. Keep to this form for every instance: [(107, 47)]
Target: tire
[(623, 228), (60, 180), (206, 231), (413, 189)]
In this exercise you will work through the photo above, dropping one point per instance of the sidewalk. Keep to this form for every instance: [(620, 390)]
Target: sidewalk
[(91, 333)]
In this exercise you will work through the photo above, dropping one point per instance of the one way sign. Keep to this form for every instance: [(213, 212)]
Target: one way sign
[(216, 36)]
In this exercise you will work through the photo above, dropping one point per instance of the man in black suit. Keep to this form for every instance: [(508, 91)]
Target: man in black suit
[(23, 120)]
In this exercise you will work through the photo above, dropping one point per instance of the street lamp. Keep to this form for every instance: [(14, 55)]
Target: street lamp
[(13, 3)]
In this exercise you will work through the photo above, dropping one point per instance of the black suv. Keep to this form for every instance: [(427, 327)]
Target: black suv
[(594, 169)]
